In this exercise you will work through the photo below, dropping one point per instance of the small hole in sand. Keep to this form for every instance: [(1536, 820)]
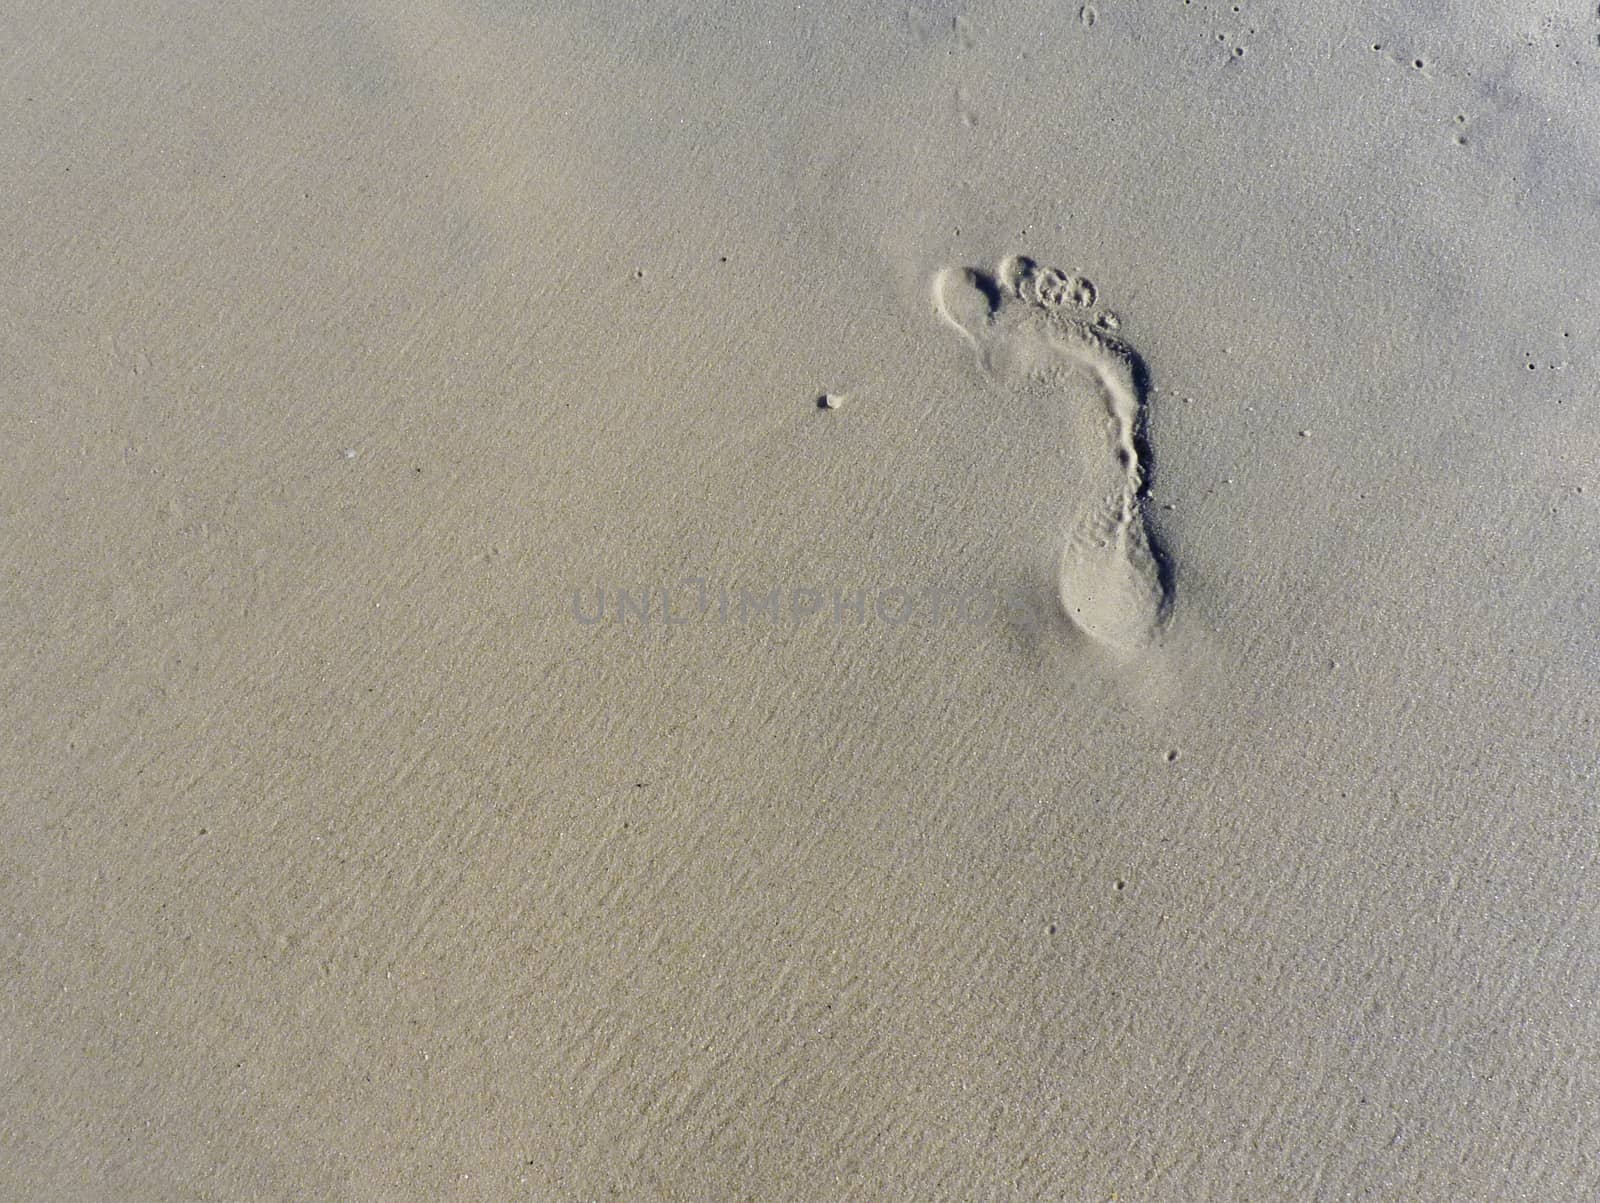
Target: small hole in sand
[(1121, 885), (1172, 755)]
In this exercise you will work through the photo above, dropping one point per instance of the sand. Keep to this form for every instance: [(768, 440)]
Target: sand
[(589, 615)]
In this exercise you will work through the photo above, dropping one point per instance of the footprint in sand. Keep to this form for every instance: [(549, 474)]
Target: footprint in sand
[(1037, 329)]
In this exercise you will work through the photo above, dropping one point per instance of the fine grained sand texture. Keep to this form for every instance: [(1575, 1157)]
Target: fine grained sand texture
[(476, 727)]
